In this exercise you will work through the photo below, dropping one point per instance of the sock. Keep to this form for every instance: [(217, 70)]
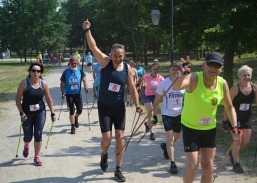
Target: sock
[(26, 146), (118, 168)]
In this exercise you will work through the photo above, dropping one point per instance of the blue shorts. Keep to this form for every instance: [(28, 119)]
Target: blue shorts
[(34, 124), (149, 99)]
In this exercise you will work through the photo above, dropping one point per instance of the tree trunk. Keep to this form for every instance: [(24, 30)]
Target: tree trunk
[(134, 43), (228, 66), (145, 48)]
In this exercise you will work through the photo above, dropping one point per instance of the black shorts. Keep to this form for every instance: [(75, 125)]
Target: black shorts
[(196, 139), (111, 114), (244, 124), (89, 64), (172, 123), (74, 99)]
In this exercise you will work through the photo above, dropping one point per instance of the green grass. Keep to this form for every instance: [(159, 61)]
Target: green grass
[(11, 74)]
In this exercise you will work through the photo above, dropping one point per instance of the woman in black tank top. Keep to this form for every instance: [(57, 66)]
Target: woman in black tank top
[(29, 101), (242, 95)]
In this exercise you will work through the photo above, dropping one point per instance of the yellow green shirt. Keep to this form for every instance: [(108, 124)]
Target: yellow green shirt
[(200, 106)]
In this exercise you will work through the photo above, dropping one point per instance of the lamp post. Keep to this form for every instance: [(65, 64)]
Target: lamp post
[(155, 14)]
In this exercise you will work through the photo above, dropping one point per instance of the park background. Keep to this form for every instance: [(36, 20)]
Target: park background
[(28, 27)]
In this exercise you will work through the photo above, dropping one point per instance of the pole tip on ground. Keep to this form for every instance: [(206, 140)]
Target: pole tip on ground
[(16, 155)]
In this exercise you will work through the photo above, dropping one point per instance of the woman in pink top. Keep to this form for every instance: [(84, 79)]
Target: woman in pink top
[(151, 82)]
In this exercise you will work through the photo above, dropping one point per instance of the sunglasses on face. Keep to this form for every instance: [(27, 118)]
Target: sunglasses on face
[(38, 71), (215, 65), (74, 63)]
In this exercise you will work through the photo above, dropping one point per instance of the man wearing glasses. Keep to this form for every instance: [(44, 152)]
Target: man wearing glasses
[(70, 85)]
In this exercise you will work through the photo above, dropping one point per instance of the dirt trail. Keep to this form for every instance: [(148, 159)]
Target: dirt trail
[(75, 158)]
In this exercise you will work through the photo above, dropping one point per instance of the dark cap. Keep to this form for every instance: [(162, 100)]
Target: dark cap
[(174, 64), (73, 60), (214, 57)]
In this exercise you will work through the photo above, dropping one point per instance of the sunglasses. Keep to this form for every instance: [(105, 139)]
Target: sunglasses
[(38, 71), (215, 65), (74, 63)]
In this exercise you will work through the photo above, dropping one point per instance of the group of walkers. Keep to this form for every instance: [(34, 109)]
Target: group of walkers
[(189, 104)]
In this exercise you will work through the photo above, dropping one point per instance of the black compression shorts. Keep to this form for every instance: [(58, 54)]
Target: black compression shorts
[(196, 139), (111, 114)]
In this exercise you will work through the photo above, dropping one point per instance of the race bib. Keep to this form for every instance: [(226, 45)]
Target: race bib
[(34, 107), (244, 107), (74, 87), (114, 87), (204, 121), (176, 101), (153, 86)]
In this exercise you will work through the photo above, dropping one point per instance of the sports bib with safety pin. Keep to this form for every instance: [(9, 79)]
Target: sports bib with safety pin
[(34, 107), (176, 101), (114, 87), (204, 121), (244, 107), (74, 87), (153, 86)]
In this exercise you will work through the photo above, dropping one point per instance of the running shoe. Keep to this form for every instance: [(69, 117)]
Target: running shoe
[(173, 168), (76, 122), (146, 127), (152, 137), (73, 130), (37, 161), (118, 174), (104, 163), (164, 148), (231, 157), (26, 151), (238, 168)]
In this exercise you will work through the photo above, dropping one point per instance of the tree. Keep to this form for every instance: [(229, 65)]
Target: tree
[(225, 26), (33, 24)]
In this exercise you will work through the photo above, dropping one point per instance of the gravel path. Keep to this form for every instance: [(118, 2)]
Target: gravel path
[(75, 158)]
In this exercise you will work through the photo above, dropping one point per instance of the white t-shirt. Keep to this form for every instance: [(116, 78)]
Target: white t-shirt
[(172, 101)]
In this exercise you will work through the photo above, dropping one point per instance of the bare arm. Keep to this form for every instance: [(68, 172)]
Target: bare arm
[(62, 86), (85, 82), (233, 92), (48, 97), (101, 57), (19, 94), (188, 82), (132, 87), (255, 92), (230, 110)]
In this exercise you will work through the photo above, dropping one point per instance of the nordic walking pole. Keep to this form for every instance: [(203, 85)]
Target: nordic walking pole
[(61, 108), (222, 162), (133, 128), (49, 135), (92, 106), (154, 107), (88, 113), (133, 122), (19, 141), (254, 157)]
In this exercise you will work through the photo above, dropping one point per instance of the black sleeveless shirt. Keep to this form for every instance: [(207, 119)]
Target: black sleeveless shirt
[(243, 105), (32, 100), (112, 84)]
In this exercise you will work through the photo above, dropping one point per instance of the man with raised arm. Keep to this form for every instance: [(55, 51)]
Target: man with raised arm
[(111, 106)]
